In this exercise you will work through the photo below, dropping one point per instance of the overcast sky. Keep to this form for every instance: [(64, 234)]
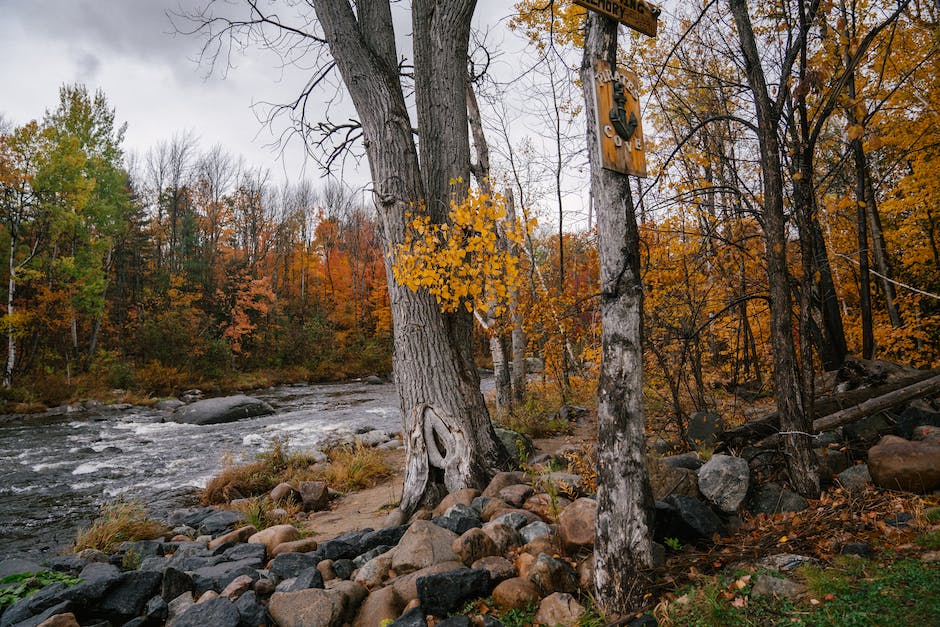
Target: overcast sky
[(127, 48)]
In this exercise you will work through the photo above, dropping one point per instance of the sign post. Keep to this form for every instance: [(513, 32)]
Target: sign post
[(637, 14), (619, 126)]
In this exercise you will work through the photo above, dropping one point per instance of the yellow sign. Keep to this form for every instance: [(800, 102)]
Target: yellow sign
[(637, 14), (619, 126)]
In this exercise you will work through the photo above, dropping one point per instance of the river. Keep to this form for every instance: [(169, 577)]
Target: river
[(55, 472)]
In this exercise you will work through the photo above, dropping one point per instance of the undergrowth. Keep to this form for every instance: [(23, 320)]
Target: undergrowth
[(538, 415), (22, 585), (117, 523)]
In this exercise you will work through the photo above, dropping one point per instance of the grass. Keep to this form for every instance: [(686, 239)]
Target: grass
[(259, 512), (930, 540), (851, 592), (538, 415), (117, 523), (353, 468), (21, 585)]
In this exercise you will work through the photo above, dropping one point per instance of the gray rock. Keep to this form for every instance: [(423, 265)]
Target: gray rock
[(220, 575), (772, 498), (246, 551), (785, 561), (310, 578), (854, 479), (175, 583), (129, 596), (289, 565), (444, 593), (177, 606), (343, 568), (36, 604), (251, 611), (459, 519), (220, 521), (867, 431), (156, 610), (685, 518), (35, 620), (535, 530), (689, 461), (513, 519), (16, 566), (572, 413), (373, 438), (775, 586), (219, 612), (168, 404), (703, 429), (723, 480), (518, 445), (213, 411), (412, 618)]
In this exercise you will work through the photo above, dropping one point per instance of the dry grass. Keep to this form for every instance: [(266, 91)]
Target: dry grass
[(353, 468), (258, 477), (120, 522), (260, 512), (538, 417)]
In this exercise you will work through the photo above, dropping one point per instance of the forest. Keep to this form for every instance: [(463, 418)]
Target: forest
[(182, 266)]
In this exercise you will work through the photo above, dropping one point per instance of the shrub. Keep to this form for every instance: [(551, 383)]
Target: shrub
[(353, 468), (117, 523)]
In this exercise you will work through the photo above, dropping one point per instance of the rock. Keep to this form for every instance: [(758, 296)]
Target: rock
[(515, 518), (168, 404), (459, 519), (352, 595), (33, 619), (474, 545), (343, 568), (310, 578), (576, 524), (524, 563), (502, 480), (536, 530), (307, 608), (220, 575), (314, 495), (898, 464), (863, 433), (414, 617), (220, 521), (373, 438), (505, 537), (775, 586), (723, 480), (552, 575), (685, 518), (239, 552), (284, 492), (546, 506), (772, 498), (854, 479), (373, 379), (456, 621), (156, 610), (926, 433), (498, 567), (424, 544), (516, 495), (383, 604), (239, 535), (566, 482), (60, 620), (703, 429), (16, 566), (273, 536), (175, 582), (518, 445), (208, 595), (572, 413), (585, 572), (304, 545), (374, 572), (559, 608), (443, 593), (857, 548), (237, 587), (213, 411), (785, 562), (407, 585), (289, 565), (177, 606), (666, 479), (492, 508), (689, 461), (464, 496), (831, 463), (264, 587), (515, 593), (251, 611), (218, 612)]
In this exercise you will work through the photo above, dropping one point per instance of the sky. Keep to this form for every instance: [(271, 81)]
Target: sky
[(128, 49)]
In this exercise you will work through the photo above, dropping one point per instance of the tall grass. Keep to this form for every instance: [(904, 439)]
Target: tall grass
[(117, 523)]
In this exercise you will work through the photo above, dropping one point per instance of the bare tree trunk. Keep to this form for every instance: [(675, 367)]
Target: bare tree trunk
[(11, 294), (623, 544), (879, 250), (518, 374), (449, 440), (801, 461)]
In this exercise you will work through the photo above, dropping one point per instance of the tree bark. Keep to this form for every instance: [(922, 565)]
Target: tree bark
[(801, 462), (921, 389), (623, 545), (450, 442)]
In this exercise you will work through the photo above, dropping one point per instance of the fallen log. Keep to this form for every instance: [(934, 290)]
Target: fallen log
[(928, 387), (827, 406)]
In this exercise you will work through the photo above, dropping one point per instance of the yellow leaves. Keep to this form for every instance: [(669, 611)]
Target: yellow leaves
[(462, 264), (854, 132)]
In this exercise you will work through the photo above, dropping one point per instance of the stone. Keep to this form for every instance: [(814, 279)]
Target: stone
[(31, 619), (455, 621), (273, 536), (863, 433), (237, 587), (898, 464), (413, 617), (373, 573), (264, 587), (767, 585), (310, 578), (219, 612), (289, 565), (552, 575), (307, 608), (361, 561), (772, 498), (926, 433), (572, 413), (703, 429), (502, 480), (372, 438), (459, 519), (524, 563), (326, 570), (545, 506), (559, 608), (576, 524), (388, 536), (492, 508), (516, 495), (498, 567), (407, 585), (857, 548), (212, 411), (666, 479), (855, 478), (177, 606), (220, 521), (424, 544), (129, 596), (90, 555), (566, 482), (505, 537), (518, 445), (545, 544), (168, 404), (785, 562), (352, 595), (220, 575), (284, 492), (60, 620), (251, 611), (723, 480), (17, 565), (443, 593), (380, 605), (464, 496), (474, 545), (831, 463), (689, 461), (156, 610), (239, 535), (685, 518), (314, 495), (208, 595), (343, 568), (304, 545), (585, 572), (239, 552), (515, 518), (515, 593), (536, 530)]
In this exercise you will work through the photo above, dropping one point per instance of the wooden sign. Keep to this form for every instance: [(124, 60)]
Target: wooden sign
[(619, 126), (637, 14)]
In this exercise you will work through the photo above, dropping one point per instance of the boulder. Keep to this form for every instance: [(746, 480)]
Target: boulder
[(284, 492), (689, 461), (703, 429), (213, 411), (219, 612), (505, 537), (566, 482), (546, 506), (177, 606), (474, 545), (515, 518), (304, 545), (536, 530), (381, 605), (239, 535), (516, 495), (491, 507), (352, 595), (304, 608), (407, 585), (576, 524), (424, 544), (518, 445), (290, 565), (443, 593), (666, 479), (16, 565), (413, 617), (310, 578), (685, 518), (464, 496), (723, 480), (459, 519), (772, 498), (129, 596), (552, 575), (898, 464), (502, 480), (854, 479), (252, 612), (237, 587), (777, 587), (515, 593), (498, 567), (220, 575), (926, 433), (373, 573), (175, 583), (559, 608), (273, 536), (315, 495), (60, 620), (220, 521)]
